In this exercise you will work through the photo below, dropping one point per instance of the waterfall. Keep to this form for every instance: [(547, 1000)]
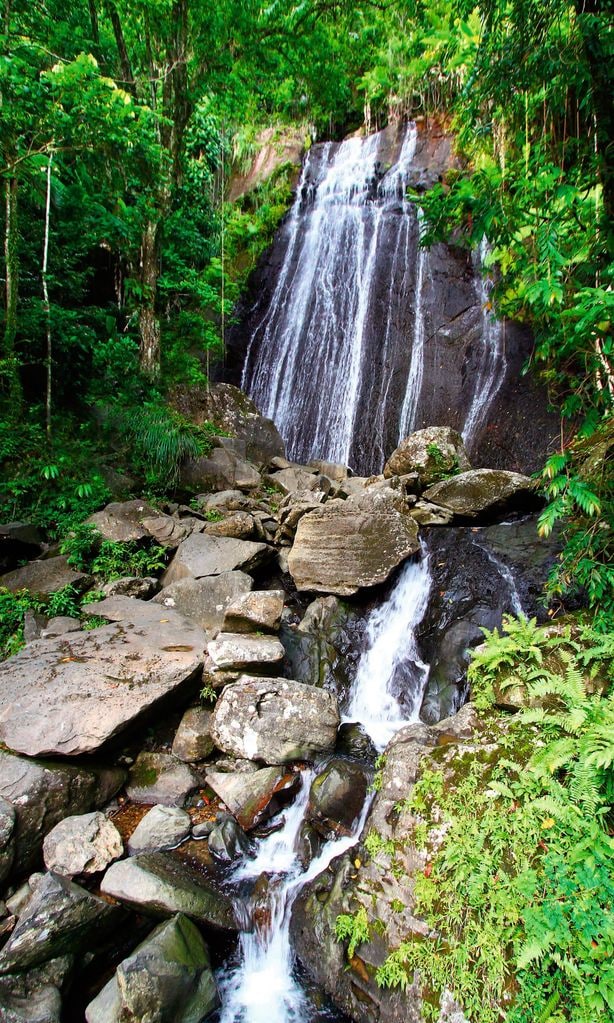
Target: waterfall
[(262, 987), (493, 364), (348, 274), (416, 366), (390, 677)]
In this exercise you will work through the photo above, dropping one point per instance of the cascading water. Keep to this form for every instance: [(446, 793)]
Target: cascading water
[(409, 408), (493, 363), (263, 987), (349, 269), (390, 678)]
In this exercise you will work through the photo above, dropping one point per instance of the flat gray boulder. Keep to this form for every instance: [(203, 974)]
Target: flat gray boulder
[(168, 977), (159, 884), (70, 695), (160, 778), (193, 740), (163, 827), (201, 555), (275, 720), (346, 546), (242, 652), (123, 520), (59, 918), (260, 611), (42, 794), (45, 577), (205, 601), (84, 844), (430, 453), (473, 493)]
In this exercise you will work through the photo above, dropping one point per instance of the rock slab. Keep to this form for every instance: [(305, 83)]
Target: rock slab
[(202, 555), (83, 844)]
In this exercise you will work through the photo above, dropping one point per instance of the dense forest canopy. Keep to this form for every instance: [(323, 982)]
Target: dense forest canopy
[(122, 259)]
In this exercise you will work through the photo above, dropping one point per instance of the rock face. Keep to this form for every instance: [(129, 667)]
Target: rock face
[(484, 490), (45, 577), (7, 843), (204, 601), (52, 692), (162, 828), (43, 794), (385, 893), (123, 520), (274, 720), (168, 977), (160, 778), (201, 555), (60, 918), (345, 546), (429, 453), (82, 845), (159, 885)]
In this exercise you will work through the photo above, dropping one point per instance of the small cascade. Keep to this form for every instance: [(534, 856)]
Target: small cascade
[(493, 363), (507, 576), (390, 678), (413, 389), (262, 987)]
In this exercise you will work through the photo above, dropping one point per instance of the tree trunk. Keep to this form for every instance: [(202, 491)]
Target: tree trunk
[(94, 23), (11, 290), (149, 325), (122, 50), (46, 305)]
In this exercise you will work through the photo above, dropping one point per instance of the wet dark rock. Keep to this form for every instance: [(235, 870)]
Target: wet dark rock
[(275, 720), (354, 741), (480, 491), (84, 844), (193, 740), (43, 578), (123, 520), (255, 796), (159, 778), (204, 601), (42, 794), (324, 647), (227, 840), (309, 844), (163, 827), (429, 453), (60, 918), (148, 656), (168, 977), (346, 546), (337, 796), (19, 542), (160, 885), (202, 555)]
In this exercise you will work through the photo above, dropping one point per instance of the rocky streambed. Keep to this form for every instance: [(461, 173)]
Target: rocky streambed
[(162, 852)]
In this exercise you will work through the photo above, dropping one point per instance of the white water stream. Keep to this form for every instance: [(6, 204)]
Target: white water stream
[(493, 363)]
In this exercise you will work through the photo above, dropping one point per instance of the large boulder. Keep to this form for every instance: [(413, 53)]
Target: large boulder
[(84, 844), (202, 555), (193, 740), (337, 797), (19, 541), (59, 918), (275, 720), (205, 600), (346, 546), (252, 796), (159, 885), (123, 520), (168, 977), (431, 453), (242, 652), (259, 611), (70, 695), (170, 530), (160, 778), (481, 491), (236, 415), (43, 794), (41, 1006), (43, 578), (221, 470)]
